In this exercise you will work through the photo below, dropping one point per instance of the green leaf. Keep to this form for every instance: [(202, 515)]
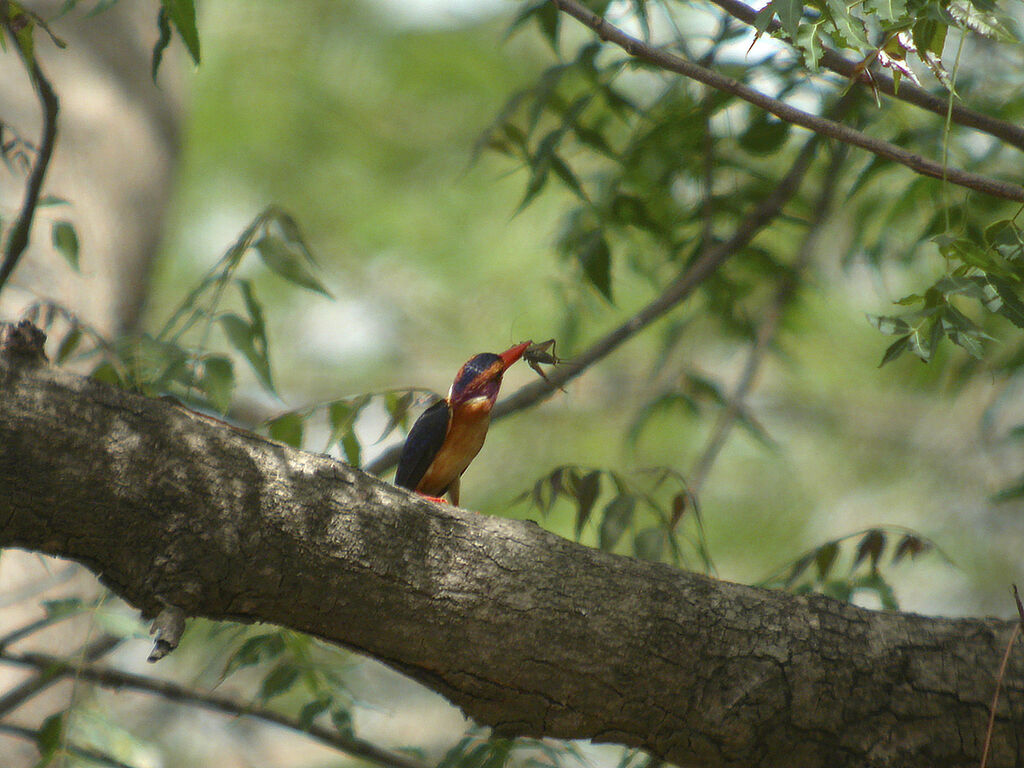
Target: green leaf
[(287, 263), (63, 607), (910, 545), (1012, 308), (871, 546), (312, 710), (182, 14), (649, 544), (65, 240), (789, 13), (280, 680), (342, 720), (890, 326), (50, 736), (849, 29), (242, 337), (587, 491), (888, 11), (218, 381), (263, 647), (765, 135), (895, 349), (596, 259), (353, 451), (287, 428), (69, 344), (618, 514), (825, 557)]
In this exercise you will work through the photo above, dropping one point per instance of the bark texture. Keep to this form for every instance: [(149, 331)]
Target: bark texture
[(525, 631)]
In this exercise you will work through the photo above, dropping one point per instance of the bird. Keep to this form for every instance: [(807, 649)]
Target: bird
[(450, 433)]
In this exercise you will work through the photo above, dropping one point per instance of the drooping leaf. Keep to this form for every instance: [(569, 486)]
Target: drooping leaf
[(587, 491), (287, 428), (218, 381), (65, 240), (618, 514), (871, 546), (280, 680), (287, 262), (182, 14)]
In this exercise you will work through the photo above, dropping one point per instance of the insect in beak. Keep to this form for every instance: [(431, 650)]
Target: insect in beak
[(538, 353)]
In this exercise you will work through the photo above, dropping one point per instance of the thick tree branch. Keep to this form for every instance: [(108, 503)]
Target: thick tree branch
[(907, 91), (17, 239), (784, 111), (527, 632)]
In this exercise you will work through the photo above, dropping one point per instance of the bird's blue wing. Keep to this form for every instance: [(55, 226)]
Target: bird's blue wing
[(423, 443)]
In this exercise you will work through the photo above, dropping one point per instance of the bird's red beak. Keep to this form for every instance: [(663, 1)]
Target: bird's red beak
[(512, 354)]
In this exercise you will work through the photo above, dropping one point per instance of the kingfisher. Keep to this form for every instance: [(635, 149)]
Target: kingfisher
[(450, 433)]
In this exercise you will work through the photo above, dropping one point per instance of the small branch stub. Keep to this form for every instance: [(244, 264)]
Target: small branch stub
[(22, 342), (168, 627)]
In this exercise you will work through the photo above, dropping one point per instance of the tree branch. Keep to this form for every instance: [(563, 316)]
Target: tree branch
[(907, 91), (17, 239), (784, 111), (527, 632), (713, 256), (116, 679), (86, 753), (47, 677)]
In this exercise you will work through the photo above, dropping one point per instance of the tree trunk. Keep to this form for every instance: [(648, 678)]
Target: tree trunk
[(527, 632)]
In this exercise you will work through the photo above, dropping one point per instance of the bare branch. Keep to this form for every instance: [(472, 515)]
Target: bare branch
[(14, 698), (784, 111), (116, 679), (17, 240), (86, 753)]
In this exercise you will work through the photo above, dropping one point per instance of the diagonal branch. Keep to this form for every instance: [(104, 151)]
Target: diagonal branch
[(784, 111), (675, 293), (907, 91), (54, 668), (85, 753), (47, 677), (17, 239)]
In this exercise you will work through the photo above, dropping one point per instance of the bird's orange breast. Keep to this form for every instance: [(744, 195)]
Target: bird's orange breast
[(466, 432)]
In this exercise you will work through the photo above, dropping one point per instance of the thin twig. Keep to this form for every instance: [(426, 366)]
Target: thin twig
[(94, 651), (784, 111), (86, 753), (766, 331), (17, 240), (675, 293), (995, 696), (113, 678), (908, 92)]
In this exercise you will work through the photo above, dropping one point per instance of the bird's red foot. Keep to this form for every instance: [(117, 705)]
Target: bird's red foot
[(436, 499)]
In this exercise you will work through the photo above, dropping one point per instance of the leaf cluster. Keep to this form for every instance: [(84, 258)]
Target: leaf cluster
[(852, 564), (638, 514)]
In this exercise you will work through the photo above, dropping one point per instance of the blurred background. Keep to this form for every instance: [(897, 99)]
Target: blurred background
[(365, 122)]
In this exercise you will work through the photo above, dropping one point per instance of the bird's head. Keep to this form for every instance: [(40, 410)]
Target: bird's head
[(481, 376)]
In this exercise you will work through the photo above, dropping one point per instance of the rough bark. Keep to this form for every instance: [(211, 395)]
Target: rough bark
[(526, 631)]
